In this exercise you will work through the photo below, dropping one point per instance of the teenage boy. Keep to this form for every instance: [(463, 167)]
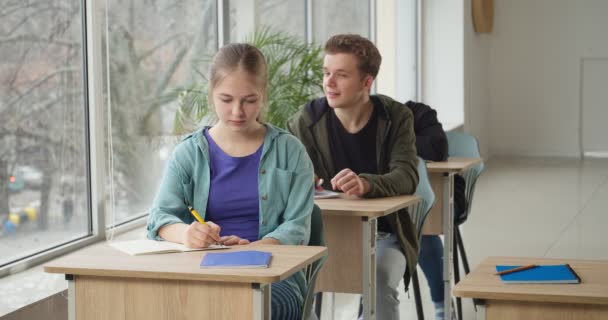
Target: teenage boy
[(364, 145)]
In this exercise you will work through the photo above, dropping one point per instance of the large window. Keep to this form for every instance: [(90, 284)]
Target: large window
[(286, 15), (154, 48), (406, 51), (43, 164), (332, 17), (248, 15)]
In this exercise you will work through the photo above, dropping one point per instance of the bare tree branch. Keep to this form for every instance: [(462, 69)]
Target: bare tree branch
[(161, 44), (40, 82), (37, 108), (36, 39), (30, 5), (162, 84), (18, 24), (11, 83), (42, 141)]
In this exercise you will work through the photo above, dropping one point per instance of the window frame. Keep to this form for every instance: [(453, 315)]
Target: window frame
[(94, 146)]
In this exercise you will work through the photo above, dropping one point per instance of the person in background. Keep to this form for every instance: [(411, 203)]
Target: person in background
[(364, 145), (250, 181), (432, 145)]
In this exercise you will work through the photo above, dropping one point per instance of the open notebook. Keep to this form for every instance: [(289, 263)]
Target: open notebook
[(326, 194), (145, 246)]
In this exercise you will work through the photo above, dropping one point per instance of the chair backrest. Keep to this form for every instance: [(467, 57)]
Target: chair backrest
[(316, 239), (424, 191), (462, 144)]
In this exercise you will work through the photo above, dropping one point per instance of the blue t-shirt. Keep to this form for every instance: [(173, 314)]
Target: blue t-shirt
[(233, 194)]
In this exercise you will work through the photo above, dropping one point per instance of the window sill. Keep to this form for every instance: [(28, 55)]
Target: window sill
[(32, 285), (27, 287)]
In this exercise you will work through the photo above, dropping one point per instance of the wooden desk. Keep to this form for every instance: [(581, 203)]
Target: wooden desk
[(350, 226), (438, 172), (441, 218), (104, 283), (587, 300)]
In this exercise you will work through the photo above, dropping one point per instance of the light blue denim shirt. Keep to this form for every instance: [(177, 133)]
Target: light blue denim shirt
[(285, 185)]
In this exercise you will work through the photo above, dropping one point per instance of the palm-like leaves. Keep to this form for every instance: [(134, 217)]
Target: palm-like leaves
[(294, 73)]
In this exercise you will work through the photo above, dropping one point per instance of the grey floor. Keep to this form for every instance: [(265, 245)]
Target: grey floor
[(522, 207), (527, 207)]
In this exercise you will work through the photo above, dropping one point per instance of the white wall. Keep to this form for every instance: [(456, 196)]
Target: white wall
[(386, 30), (396, 40), (594, 104), (442, 59), (455, 62), (535, 57), (476, 87)]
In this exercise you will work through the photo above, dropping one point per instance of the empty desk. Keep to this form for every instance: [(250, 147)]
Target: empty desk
[(587, 300)]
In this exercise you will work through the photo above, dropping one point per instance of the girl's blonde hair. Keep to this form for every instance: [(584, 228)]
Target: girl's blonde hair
[(241, 56)]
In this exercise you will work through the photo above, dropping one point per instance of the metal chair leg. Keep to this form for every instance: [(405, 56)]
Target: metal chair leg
[(465, 261), (456, 279), (463, 253), (318, 304), (417, 298)]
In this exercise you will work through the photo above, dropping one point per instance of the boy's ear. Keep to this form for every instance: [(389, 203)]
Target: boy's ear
[(368, 81)]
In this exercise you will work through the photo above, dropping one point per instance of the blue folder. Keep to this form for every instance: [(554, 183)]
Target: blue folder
[(561, 273), (237, 259)]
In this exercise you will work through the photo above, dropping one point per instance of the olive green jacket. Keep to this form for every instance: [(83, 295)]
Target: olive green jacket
[(395, 154)]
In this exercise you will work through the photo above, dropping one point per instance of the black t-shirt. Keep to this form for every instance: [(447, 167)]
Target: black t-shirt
[(355, 151)]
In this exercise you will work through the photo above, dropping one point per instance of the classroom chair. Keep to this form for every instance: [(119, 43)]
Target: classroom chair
[(461, 144), (316, 239), (419, 215)]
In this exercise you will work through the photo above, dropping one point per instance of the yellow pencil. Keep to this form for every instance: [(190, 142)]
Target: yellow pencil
[(196, 215), (200, 220)]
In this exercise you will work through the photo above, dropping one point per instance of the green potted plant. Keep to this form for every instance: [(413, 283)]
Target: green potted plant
[(295, 77)]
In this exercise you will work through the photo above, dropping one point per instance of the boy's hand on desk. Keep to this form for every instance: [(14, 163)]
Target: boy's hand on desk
[(350, 183), (198, 235), (233, 240)]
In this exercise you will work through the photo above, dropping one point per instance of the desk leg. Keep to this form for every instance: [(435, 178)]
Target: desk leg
[(261, 301), (448, 229), (481, 312), (71, 297), (328, 306), (369, 268)]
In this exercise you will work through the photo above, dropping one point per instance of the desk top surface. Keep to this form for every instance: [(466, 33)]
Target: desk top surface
[(484, 284), (103, 260), (364, 207), (453, 164)]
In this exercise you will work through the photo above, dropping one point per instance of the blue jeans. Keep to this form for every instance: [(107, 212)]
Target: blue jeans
[(390, 267), (431, 263)]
